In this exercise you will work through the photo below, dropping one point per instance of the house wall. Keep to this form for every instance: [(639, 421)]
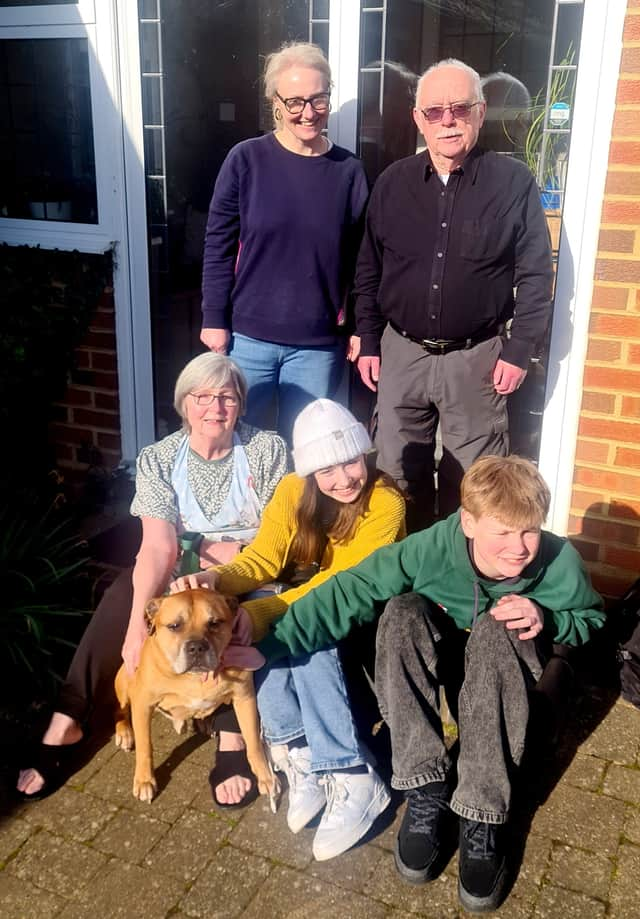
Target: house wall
[(86, 430), (605, 507)]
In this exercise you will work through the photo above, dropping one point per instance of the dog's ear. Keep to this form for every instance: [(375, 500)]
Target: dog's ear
[(150, 611), (233, 603)]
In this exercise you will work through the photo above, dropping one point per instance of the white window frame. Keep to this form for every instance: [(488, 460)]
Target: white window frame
[(49, 14), (116, 107)]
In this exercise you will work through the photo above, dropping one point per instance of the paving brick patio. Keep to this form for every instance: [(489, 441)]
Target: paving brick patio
[(92, 850)]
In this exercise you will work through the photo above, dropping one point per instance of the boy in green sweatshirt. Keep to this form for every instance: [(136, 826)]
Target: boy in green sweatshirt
[(481, 595)]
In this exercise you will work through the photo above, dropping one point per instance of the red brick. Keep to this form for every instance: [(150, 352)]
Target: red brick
[(637, 301), (630, 62), (104, 319), (616, 325), (603, 403), (110, 458), (64, 452), (614, 379), (630, 407), (628, 91), (589, 551), (616, 240), (619, 269), (104, 340), (611, 531), (82, 358), (633, 354), (608, 480), (630, 510), (631, 30), (108, 401), (104, 360), (106, 300), (624, 152), (588, 451), (622, 558), (621, 212), (594, 502), (609, 298), (108, 381), (70, 435), (624, 182), (626, 456), (610, 583), (76, 396), (609, 429), (108, 441), (625, 123), (92, 419), (604, 350)]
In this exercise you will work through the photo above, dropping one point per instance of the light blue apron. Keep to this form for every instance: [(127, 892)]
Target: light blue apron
[(239, 517)]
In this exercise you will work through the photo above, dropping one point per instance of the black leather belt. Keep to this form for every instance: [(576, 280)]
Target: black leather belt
[(445, 345)]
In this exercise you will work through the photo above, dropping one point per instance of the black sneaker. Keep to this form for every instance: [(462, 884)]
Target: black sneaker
[(418, 852), (482, 868)]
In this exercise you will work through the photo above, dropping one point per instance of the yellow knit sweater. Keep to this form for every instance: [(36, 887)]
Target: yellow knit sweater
[(263, 560)]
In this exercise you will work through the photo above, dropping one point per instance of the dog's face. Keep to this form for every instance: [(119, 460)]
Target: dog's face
[(192, 627)]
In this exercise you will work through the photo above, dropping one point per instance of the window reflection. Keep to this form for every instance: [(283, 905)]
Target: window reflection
[(47, 168)]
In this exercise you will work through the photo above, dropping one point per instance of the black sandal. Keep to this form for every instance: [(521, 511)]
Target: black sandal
[(228, 764), (53, 765)]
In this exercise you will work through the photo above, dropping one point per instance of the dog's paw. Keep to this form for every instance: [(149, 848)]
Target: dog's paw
[(124, 737), (145, 789)]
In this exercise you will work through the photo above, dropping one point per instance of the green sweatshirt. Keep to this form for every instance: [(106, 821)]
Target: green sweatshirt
[(436, 564)]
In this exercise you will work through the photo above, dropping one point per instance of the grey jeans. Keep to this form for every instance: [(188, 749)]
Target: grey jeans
[(417, 392), (412, 660)]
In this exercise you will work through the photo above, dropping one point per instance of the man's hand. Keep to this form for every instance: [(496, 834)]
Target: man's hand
[(507, 377), (353, 348), (207, 579), (369, 369), (519, 613), (216, 339), (132, 647)]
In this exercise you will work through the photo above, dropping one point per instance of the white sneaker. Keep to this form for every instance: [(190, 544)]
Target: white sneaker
[(306, 796), (353, 803)]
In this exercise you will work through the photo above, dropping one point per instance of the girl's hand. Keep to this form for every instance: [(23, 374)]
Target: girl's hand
[(207, 579), (218, 553), (133, 642)]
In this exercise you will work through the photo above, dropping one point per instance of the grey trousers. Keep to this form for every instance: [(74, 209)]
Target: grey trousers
[(417, 391), (413, 657)]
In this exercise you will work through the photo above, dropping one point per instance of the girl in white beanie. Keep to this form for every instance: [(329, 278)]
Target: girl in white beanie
[(326, 517)]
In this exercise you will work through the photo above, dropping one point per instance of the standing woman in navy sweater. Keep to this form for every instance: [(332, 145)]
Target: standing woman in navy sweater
[(280, 246)]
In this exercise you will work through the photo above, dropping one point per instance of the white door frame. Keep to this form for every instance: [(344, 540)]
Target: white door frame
[(597, 78)]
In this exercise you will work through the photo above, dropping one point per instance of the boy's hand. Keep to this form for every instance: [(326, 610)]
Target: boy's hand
[(519, 613)]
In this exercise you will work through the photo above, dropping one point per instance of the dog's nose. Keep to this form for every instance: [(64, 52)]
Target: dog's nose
[(196, 647)]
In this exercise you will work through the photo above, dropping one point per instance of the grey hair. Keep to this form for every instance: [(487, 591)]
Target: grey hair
[(505, 95), (460, 65), (208, 369), (293, 54)]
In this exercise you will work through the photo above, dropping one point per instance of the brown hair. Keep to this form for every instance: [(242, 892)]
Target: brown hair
[(319, 517), (509, 488)]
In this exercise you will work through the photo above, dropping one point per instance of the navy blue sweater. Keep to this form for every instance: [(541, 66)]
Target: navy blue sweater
[(281, 241)]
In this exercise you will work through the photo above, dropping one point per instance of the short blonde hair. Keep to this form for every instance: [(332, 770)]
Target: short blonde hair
[(509, 488), (208, 369), (293, 54)]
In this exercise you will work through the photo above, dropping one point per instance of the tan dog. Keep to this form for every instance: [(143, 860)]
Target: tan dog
[(180, 673)]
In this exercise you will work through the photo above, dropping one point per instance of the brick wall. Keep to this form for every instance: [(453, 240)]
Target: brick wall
[(86, 431), (605, 512)]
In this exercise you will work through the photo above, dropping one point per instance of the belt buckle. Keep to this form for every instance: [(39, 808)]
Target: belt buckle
[(436, 347)]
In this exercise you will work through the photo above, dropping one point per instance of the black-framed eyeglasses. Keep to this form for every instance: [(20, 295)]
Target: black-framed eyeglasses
[(462, 110), (208, 398), (295, 104)]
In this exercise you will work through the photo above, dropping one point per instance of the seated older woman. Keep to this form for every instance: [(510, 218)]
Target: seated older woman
[(200, 490)]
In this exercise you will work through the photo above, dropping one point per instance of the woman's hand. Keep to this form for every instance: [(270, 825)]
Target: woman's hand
[(133, 642), (216, 339), (218, 553), (189, 581)]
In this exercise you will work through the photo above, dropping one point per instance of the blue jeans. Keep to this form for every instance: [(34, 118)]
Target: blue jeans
[(306, 696), (284, 379)]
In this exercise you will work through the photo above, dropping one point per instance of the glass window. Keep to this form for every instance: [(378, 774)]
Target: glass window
[(4, 3), (47, 167), (201, 93)]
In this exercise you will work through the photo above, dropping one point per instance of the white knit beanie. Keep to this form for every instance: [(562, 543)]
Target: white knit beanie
[(325, 434)]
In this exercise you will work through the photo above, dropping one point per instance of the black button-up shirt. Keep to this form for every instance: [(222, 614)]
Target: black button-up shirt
[(442, 261)]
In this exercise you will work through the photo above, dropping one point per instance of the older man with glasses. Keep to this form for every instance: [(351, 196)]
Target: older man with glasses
[(455, 246)]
